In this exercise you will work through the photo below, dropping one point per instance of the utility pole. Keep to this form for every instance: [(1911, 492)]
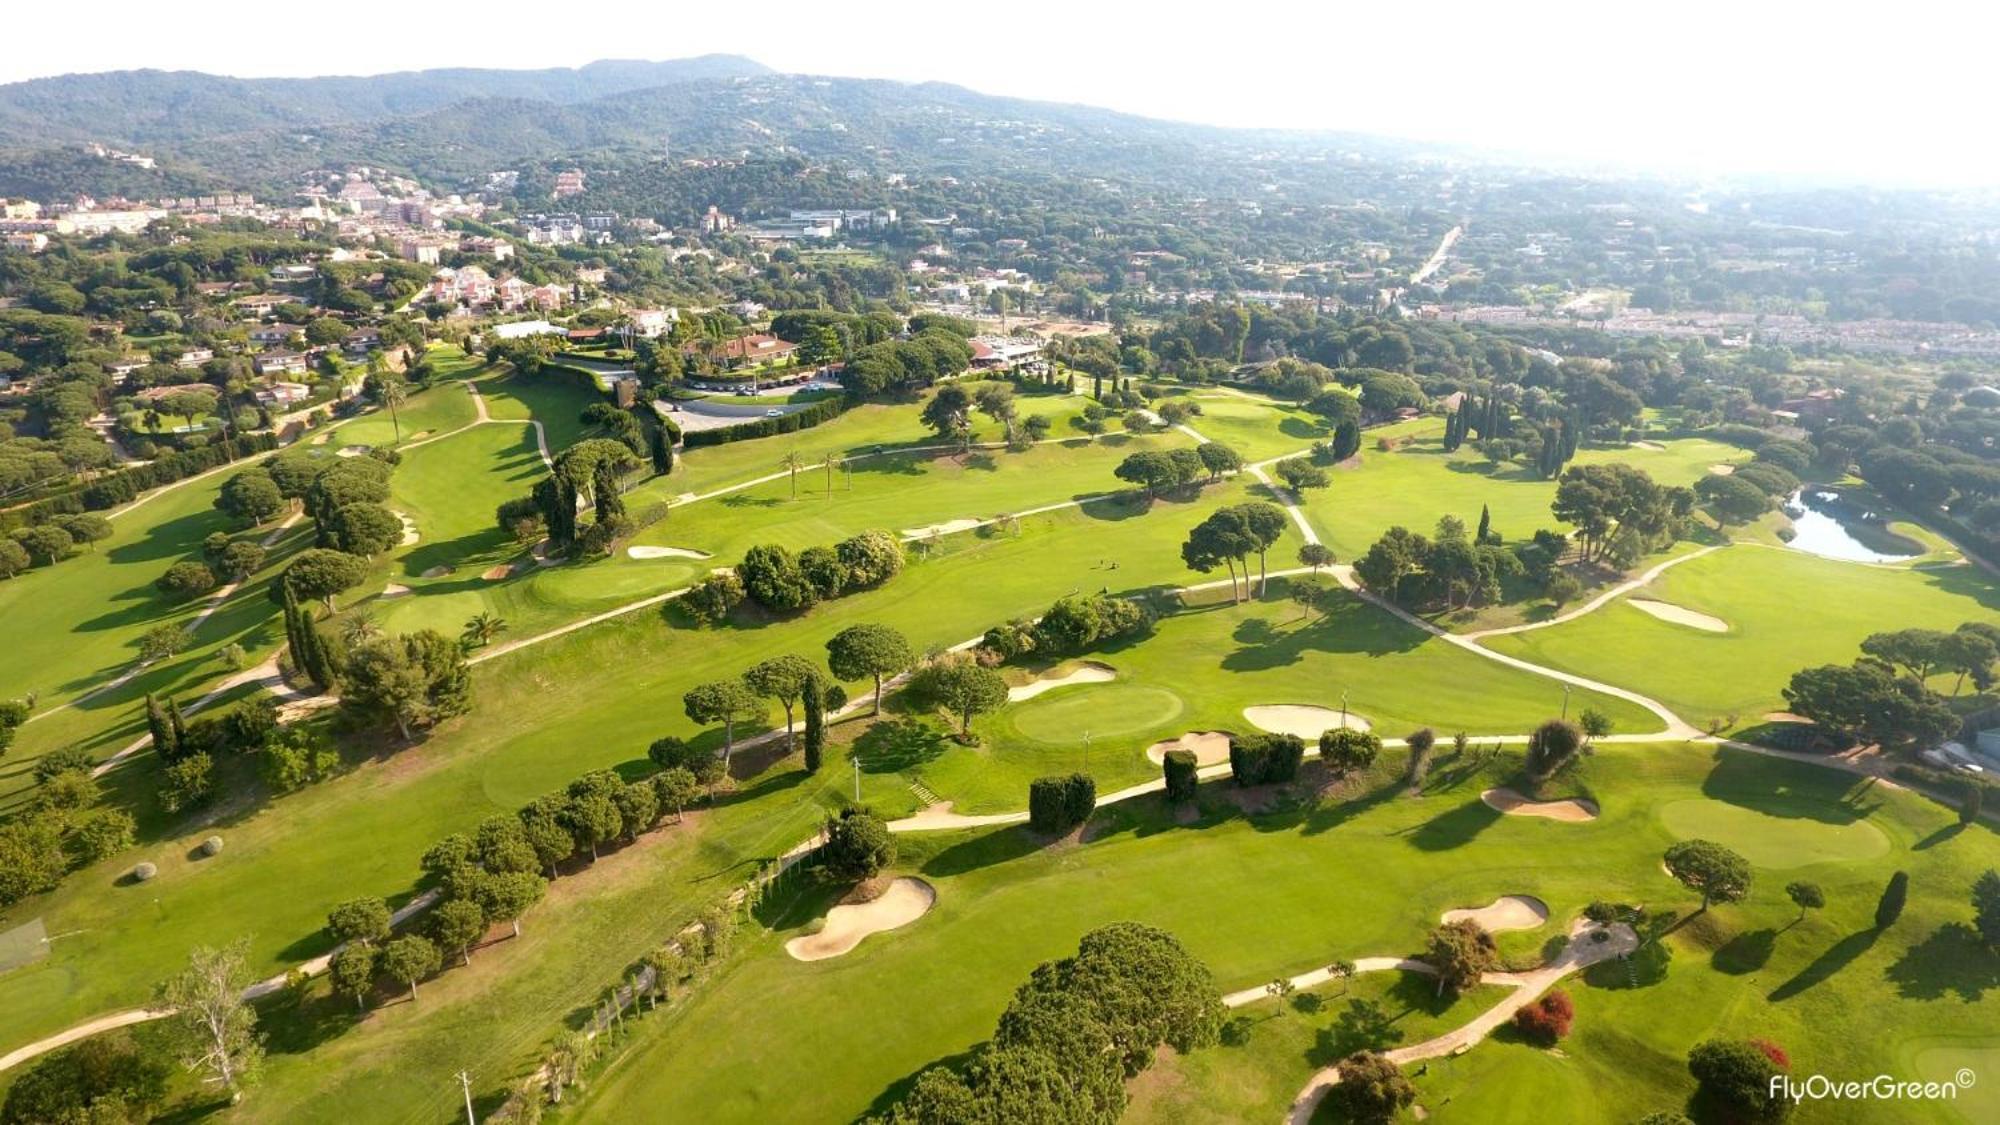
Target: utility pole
[(1343, 708), (1565, 713), (857, 781), (465, 1082)]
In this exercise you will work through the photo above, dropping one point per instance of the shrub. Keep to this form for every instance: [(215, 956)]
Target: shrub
[(1265, 759), (711, 601), (1180, 767), (1371, 1088), (1056, 805), (186, 580), (858, 845), (1546, 1020), (1734, 1080), (1345, 750)]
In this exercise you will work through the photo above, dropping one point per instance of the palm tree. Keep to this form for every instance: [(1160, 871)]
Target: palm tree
[(483, 627), (792, 463), (390, 392), (833, 457), (359, 626)]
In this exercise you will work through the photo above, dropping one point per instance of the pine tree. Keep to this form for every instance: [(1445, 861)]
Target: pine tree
[(814, 704)]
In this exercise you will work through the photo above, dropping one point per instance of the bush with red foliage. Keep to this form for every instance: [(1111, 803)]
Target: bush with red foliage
[(1775, 1053), (1547, 1019)]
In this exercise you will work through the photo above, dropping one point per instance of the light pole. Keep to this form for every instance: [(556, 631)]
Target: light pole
[(1086, 751), (857, 781), (1343, 708), (1565, 713), (465, 1082)]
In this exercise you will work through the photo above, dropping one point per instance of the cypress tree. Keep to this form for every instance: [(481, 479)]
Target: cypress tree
[(604, 486), (663, 450), (161, 730), (176, 732), (814, 704), (1485, 524)]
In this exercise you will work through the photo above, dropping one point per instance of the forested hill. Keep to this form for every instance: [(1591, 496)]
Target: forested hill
[(142, 108)]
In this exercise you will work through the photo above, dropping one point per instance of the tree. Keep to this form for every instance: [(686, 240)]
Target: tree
[(1733, 500), (966, 688), (1058, 804), (812, 700), (352, 973), (1735, 1078), (1890, 906), (363, 920), (1181, 768), (1420, 743), (1300, 474), (507, 896), (772, 578), (319, 573), (46, 543), (1706, 866), (864, 651), (1552, 746), (364, 529), (677, 786), (105, 1079), (214, 1031), (949, 414), (416, 680), (1156, 471), (725, 702), (187, 783), (240, 560), (456, 925), (858, 845), (1371, 1088), (590, 811), (481, 628), (165, 640), (1986, 907), (1218, 459), (638, 808), (1462, 952), (186, 580), (1806, 896), (1547, 1019), (250, 496), (13, 558), (1866, 703), (1223, 538), (1345, 750), (783, 678), (1594, 723), (410, 959), (1316, 556)]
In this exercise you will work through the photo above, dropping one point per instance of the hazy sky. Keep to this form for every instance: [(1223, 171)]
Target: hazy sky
[(1896, 93)]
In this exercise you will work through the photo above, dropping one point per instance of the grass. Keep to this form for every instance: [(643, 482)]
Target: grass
[(1419, 482), (1759, 592), (1363, 874)]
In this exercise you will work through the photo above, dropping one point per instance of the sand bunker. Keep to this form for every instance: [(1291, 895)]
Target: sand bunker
[(1679, 615), (1508, 912), (350, 451), (496, 573), (1088, 673), (1211, 747), (903, 902), (1301, 719), (945, 528), (409, 528), (394, 590), (1513, 804), (420, 434), (437, 572), (1784, 717), (666, 553), (1648, 445), (322, 439), (1722, 470)]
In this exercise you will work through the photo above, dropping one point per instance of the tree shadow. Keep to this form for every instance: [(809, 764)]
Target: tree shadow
[(1773, 787), (1456, 827), (1954, 960), (896, 1091), (1942, 835), (996, 847), (1837, 957), (894, 745), (1364, 1025), (1745, 953)]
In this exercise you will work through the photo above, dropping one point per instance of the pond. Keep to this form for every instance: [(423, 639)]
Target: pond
[(1826, 525)]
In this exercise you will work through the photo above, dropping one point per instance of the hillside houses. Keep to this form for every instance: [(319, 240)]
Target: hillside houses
[(473, 287)]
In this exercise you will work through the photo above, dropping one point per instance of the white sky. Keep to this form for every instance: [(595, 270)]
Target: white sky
[(1897, 93)]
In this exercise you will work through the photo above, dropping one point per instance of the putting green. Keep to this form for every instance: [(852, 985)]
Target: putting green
[(1773, 841), (1063, 716), (1942, 1060)]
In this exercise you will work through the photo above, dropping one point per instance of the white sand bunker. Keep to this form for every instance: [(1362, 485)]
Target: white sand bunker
[(1679, 615), (436, 571), (1301, 719), (1649, 445), (409, 528), (945, 528), (1090, 672), (1211, 747), (1514, 804), (395, 590), (904, 901), (666, 553), (1508, 912), (1722, 470), (496, 573), (350, 451)]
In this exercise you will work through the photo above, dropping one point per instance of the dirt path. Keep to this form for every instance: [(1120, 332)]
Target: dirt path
[(1601, 600), (1580, 953)]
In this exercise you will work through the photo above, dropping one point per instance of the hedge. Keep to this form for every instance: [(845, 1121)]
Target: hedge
[(117, 488), (825, 410), (1181, 767), (1058, 804), (1265, 759)]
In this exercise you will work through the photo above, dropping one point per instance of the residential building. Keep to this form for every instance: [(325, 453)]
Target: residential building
[(28, 242), (194, 357), (498, 249), (282, 363), (23, 209), (470, 285), (272, 335), (760, 348), (715, 222), (361, 341), (569, 183), (424, 251), (523, 328), (653, 323), (989, 352), (281, 394)]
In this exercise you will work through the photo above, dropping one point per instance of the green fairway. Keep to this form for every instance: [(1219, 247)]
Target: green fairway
[(1419, 482), (1364, 874), (1759, 592), (1774, 839), (1063, 716), (1257, 427)]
